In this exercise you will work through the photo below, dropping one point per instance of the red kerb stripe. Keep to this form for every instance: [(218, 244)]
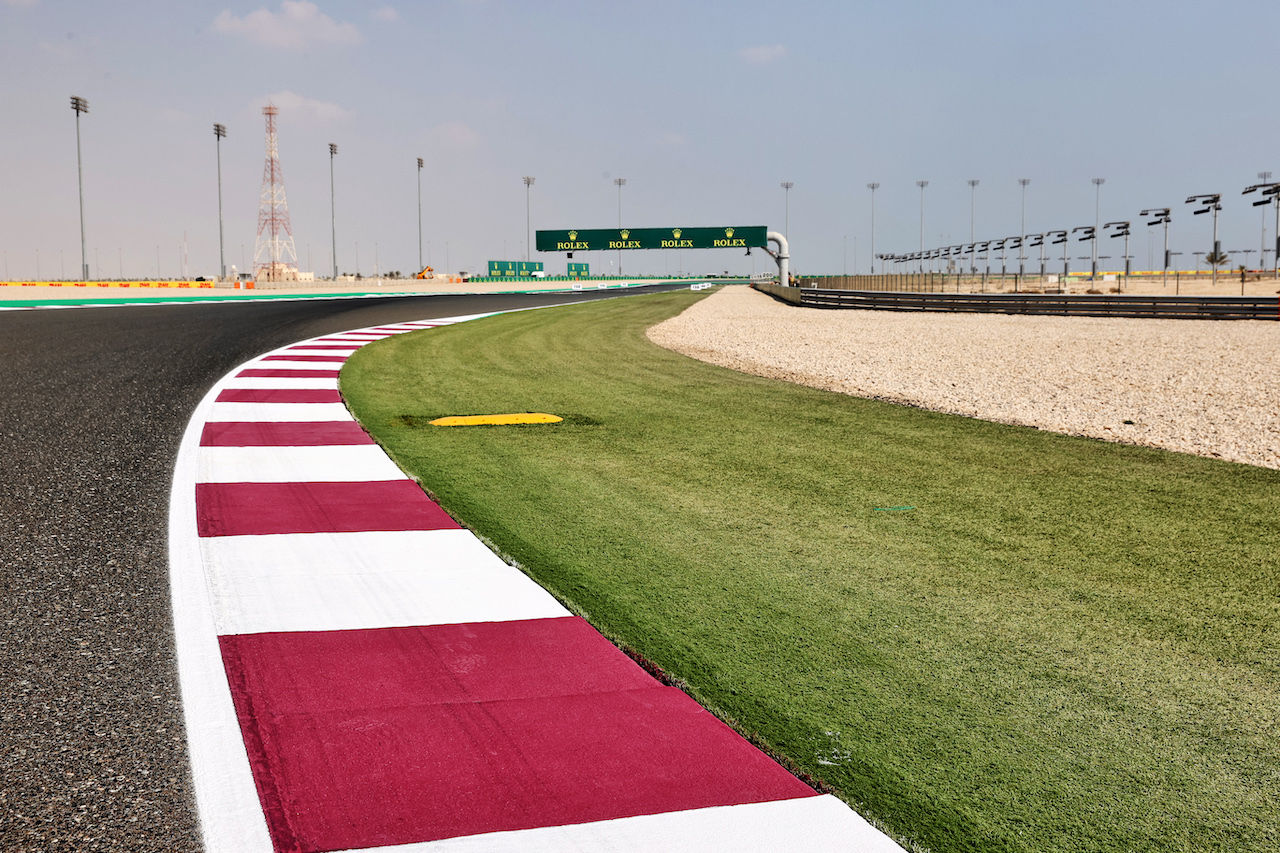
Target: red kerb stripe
[(399, 735), (283, 372), (280, 395), (283, 434), (241, 509)]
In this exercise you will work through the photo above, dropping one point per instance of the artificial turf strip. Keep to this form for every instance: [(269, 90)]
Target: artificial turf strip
[(1065, 644)]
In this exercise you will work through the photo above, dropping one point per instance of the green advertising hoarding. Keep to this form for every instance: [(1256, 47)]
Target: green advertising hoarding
[(579, 270), (514, 268), (609, 239)]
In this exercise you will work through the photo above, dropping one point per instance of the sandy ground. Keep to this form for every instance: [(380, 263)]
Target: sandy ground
[(1210, 388)]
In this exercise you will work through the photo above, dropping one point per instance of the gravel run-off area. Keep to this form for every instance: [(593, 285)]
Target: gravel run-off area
[(1206, 387)]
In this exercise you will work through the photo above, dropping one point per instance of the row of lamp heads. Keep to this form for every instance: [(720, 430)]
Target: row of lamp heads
[(1161, 216)]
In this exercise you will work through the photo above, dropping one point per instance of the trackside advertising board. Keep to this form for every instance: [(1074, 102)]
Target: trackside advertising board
[(608, 239), (514, 268)]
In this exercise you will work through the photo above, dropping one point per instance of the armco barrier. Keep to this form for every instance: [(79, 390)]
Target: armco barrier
[(777, 291), (1075, 305)]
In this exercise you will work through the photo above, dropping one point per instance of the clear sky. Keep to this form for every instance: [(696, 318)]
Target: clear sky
[(704, 108)]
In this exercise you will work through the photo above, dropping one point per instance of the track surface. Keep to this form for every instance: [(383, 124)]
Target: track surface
[(93, 403)]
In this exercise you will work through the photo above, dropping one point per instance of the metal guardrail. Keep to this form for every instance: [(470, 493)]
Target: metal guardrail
[(1074, 305)]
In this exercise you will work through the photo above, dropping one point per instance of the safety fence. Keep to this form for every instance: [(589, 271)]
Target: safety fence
[(1074, 305), (928, 282), (966, 282)]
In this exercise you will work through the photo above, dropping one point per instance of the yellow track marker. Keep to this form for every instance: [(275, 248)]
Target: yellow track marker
[(488, 420)]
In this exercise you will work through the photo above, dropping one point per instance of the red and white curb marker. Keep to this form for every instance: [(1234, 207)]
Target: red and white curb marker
[(360, 673)]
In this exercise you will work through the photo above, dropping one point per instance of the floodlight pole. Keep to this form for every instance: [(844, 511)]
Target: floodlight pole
[(1211, 205), (973, 189), (1097, 208), (333, 218), (219, 131), (1273, 190), (1217, 253), (1162, 216), (1276, 257), (873, 187), (922, 185), (1262, 257), (619, 183), (786, 221), (528, 182), (1022, 182), (1164, 281), (420, 265), (1122, 230), (80, 105)]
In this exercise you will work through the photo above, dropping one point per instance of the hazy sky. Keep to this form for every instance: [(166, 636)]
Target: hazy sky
[(704, 108)]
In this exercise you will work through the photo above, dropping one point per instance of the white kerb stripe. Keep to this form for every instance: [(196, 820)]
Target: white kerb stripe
[(808, 825), (231, 818), (344, 351), (329, 463), (278, 412), (346, 581), (295, 365)]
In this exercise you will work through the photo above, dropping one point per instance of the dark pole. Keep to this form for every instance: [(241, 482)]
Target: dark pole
[(922, 185), (333, 218), (80, 105), (873, 187), (1022, 182), (420, 266), (1097, 219), (620, 183), (528, 250), (1165, 280), (219, 131)]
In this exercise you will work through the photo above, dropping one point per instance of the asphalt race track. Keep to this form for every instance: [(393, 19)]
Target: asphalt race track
[(93, 403)]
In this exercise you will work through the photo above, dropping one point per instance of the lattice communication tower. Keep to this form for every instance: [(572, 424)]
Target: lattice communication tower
[(274, 256)]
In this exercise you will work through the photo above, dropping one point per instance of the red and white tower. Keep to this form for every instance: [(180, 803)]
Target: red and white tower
[(274, 257)]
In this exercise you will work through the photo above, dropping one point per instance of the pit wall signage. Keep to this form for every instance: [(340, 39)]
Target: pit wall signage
[(610, 239), (516, 268)]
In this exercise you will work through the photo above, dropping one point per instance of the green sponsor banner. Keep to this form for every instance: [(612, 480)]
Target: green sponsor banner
[(609, 239), (514, 268), (579, 270)]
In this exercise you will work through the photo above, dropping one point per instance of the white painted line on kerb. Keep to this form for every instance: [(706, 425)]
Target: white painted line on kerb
[(346, 581), (260, 364), (342, 352), (810, 824), (278, 412), (327, 463)]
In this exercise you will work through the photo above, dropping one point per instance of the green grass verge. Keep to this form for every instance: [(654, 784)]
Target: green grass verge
[(1064, 645)]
